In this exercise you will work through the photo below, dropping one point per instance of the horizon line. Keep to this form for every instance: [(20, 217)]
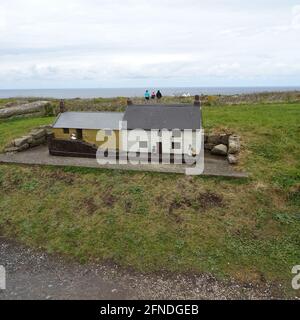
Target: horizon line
[(161, 87)]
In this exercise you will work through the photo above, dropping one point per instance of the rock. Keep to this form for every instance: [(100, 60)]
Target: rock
[(29, 138), (17, 149), (45, 127), (38, 133), (234, 145), (24, 147), (213, 139), (11, 149), (21, 141), (37, 142), (220, 150), (232, 159), (48, 129), (48, 132), (23, 109), (208, 146), (224, 138)]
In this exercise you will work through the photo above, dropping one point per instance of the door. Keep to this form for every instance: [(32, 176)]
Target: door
[(159, 151), (79, 134)]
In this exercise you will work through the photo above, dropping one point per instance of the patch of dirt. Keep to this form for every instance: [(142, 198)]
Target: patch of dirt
[(294, 194), (127, 205), (89, 205), (62, 176), (203, 200), (171, 212), (209, 200), (108, 199)]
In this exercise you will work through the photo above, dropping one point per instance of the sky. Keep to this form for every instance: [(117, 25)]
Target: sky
[(139, 43)]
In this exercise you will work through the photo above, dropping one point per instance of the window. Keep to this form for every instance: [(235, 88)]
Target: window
[(66, 131), (176, 133), (108, 132), (79, 134), (176, 145), (143, 144)]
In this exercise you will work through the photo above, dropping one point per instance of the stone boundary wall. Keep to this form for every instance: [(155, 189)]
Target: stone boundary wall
[(28, 109), (226, 145), (36, 137)]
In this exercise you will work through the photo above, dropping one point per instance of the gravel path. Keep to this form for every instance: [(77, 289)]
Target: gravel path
[(33, 274)]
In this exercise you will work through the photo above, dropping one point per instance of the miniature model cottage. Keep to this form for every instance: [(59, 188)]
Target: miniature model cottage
[(82, 133)]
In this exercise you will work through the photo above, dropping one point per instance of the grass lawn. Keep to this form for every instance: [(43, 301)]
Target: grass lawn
[(247, 229)]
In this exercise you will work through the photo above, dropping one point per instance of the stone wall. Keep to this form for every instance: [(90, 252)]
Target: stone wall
[(37, 108), (35, 137), (226, 145)]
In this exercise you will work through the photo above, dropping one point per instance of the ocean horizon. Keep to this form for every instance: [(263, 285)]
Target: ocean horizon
[(86, 93)]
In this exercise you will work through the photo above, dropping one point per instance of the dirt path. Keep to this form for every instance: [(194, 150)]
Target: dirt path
[(35, 275)]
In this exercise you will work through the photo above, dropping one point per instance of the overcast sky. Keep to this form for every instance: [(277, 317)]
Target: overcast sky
[(138, 43)]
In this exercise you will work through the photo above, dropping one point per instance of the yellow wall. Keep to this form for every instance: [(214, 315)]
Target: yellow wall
[(90, 136)]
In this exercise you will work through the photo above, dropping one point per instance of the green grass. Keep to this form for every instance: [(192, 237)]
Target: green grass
[(14, 128), (247, 229)]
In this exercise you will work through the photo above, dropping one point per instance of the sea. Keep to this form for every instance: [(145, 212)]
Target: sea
[(135, 92)]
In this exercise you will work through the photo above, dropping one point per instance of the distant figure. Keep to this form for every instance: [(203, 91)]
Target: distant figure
[(147, 95), (153, 95), (158, 95)]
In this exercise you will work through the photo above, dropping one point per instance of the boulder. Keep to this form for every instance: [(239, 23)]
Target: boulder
[(17, 149), (220, 150), (208, 146), (49, 132), (234, 145), (47, 128), (37, 142), (213, 139), (38, 133), (11, 149), (21, 141), (223, 138), (232, 159)]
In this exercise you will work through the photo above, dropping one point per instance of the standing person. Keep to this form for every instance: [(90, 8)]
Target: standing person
[(147, 95), (158, 95), (153, 95)]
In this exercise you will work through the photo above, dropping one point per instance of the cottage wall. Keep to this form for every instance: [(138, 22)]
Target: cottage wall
[(137, 136), (119, 140), (96, 137)]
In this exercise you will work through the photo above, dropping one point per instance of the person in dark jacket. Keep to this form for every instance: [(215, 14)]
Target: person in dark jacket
[(158, 95)]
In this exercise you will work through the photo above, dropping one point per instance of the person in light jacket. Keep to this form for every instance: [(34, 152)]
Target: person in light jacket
[(147, 95)]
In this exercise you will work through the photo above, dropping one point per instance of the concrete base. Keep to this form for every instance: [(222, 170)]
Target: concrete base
[(214, 165)]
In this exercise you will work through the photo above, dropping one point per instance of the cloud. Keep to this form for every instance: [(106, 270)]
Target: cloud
[(133, 42), (296, 17)]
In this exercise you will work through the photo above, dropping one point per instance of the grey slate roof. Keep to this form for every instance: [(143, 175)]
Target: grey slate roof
[(89, 120), (163, 117)]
